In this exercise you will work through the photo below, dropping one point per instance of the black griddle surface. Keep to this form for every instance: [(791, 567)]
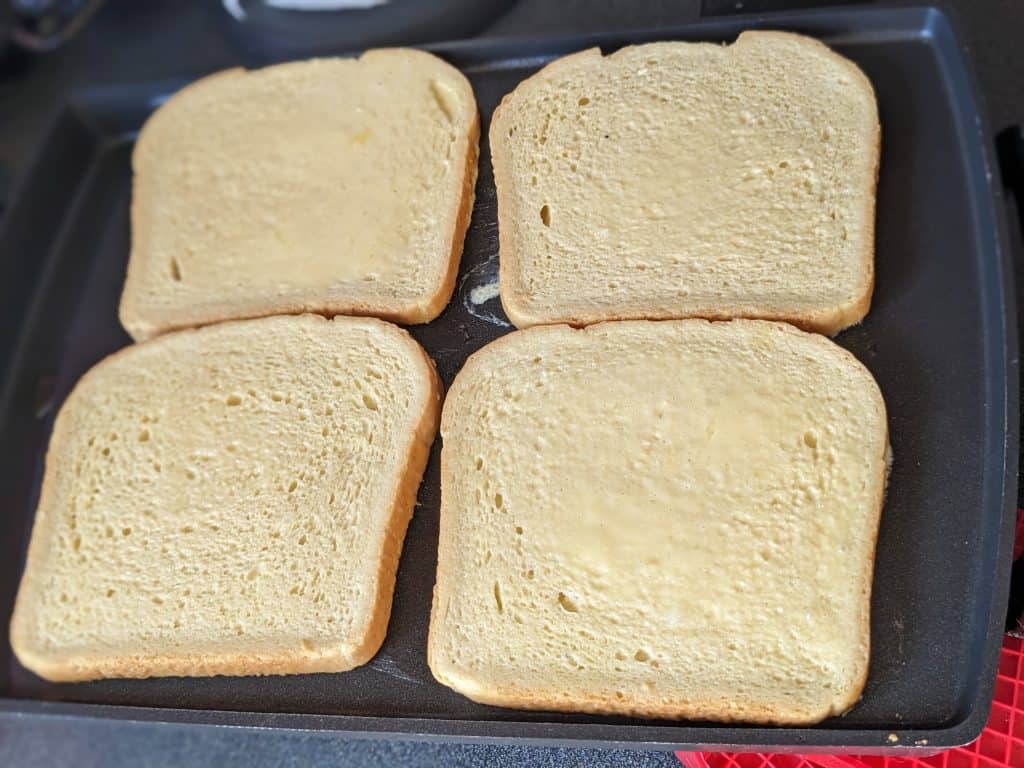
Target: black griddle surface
[(940, 339)]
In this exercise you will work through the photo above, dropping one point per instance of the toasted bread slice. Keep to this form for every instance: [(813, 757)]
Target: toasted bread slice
[(228, 501), (663, 519), (689, 180), (337, 186)]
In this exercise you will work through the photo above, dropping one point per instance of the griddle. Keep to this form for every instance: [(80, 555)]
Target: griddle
[(940, 339)]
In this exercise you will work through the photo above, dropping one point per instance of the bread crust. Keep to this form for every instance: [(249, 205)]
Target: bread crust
[(141, 326), (405, 494), (484, 691), (828, 320), (462, 218), (59, 667)]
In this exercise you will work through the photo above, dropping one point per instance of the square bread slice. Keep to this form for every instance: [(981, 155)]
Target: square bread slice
[(663, 519), (337, 186), (228, 501), (689, 180)]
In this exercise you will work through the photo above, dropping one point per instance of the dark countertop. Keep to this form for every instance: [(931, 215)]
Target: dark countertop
[(131, 41), (101, 743)]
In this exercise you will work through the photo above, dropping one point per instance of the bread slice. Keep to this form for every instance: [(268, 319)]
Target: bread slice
[(663, 519), (228, 501), (689, 180), (330, 186)]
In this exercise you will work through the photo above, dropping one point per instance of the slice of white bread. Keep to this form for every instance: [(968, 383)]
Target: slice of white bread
[(331, 186), (689, 180), (665, 519), (229, 501)]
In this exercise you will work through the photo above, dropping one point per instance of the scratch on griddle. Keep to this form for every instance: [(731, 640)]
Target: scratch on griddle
[(387, 666), (897, 624), (478, 288)]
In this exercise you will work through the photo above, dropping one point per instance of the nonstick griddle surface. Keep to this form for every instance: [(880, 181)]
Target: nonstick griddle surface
[(940, 340)]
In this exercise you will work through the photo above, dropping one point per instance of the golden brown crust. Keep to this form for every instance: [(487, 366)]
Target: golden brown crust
[(597, 704), (64, 667), (511, 301), (131, 318), (826, 320), (462, 219), (867, 580), (401, 513)]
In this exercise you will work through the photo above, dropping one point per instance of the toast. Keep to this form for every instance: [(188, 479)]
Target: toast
[(228, 501), (675, 180), (336, 186), (661, 519)]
